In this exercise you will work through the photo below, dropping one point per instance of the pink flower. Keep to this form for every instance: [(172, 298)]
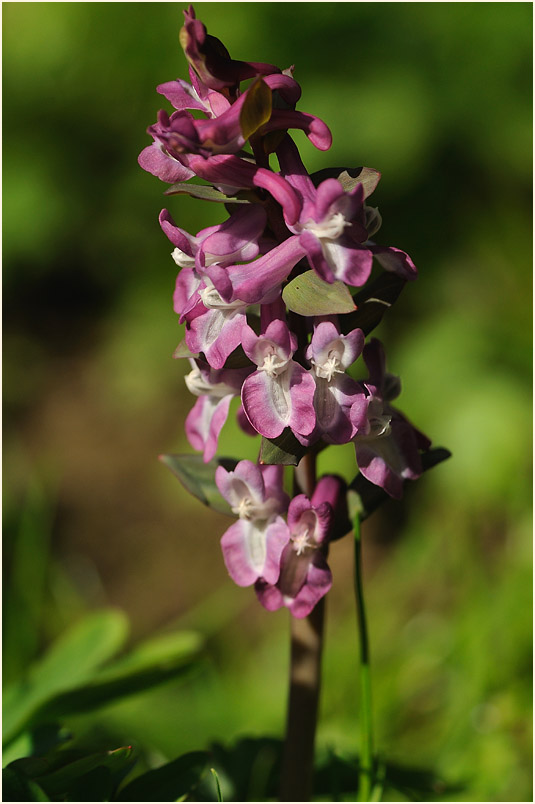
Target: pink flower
[(253, 545), (215, 390), (387, 445), (280, 392), (211, 60), (330, 354), (332, 227), (305, 576)]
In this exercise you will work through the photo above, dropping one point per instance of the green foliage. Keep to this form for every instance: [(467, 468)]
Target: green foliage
[(285, 449), (350, 177), (69, 776), (205, 193), (372, 302), (198, 477), (171, 782), (77, 674), (309, 295), (256, 109)]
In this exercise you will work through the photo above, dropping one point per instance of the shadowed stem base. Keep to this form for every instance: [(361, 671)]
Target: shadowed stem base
[(305, 672), (306, 645), (366, 768)]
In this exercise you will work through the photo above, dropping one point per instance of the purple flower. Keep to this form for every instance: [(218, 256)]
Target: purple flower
[(258, 281), (253, 545), (215, 390), (234, 239), (387, 446), (280, 393), (213, 325), (330, 354), (332, 226), (211, 60), (184, 96), (155, 159), (183, 134), (230, 173), (305, 576)]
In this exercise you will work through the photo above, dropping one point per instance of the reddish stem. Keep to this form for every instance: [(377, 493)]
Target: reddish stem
[(305, 677)]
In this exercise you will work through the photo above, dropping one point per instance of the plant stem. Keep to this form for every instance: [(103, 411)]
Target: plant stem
[(366, 725), (305, 676)]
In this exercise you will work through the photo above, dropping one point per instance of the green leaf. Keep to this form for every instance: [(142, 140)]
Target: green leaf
[(40, 741), (17, 787), (71, 660), (171, 782), (308, 295), (350, 177), (199, 478), (370, 496), (205, 192), (183, 351), (256, 109), (217, 784), (285, 449), (237, 359), (373, 302), (28, 540), (249, 768), (145, 666), (60, 782)]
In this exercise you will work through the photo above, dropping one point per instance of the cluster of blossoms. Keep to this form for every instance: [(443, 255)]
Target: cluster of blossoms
[(289, 370)]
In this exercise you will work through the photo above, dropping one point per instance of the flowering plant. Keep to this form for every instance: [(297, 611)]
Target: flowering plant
[(272, 316)]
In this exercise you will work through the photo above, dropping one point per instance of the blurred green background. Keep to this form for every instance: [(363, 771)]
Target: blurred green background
[(437, 96)]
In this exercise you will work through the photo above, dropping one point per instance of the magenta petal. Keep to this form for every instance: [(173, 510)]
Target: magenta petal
[(281, 191), (298, 506), (329, 489), (389, 460), (324, 334), (204, 423), (216, 333), (278, 332), (178, 237), (375, 469), (268, 595), (244, 551), (328, 192), (294, 571), (253, 282), (287, 87), (350, 263), (245, 480), (333, 402), (316, 130), (267, 403), (359, 414), (314, 251), (232, 171), (185, 288), (302, 418), (318, 582), (393, 259), (294, 171), (181, 95), (236, 235), (277, 537), (273, 475), (154, 160)]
